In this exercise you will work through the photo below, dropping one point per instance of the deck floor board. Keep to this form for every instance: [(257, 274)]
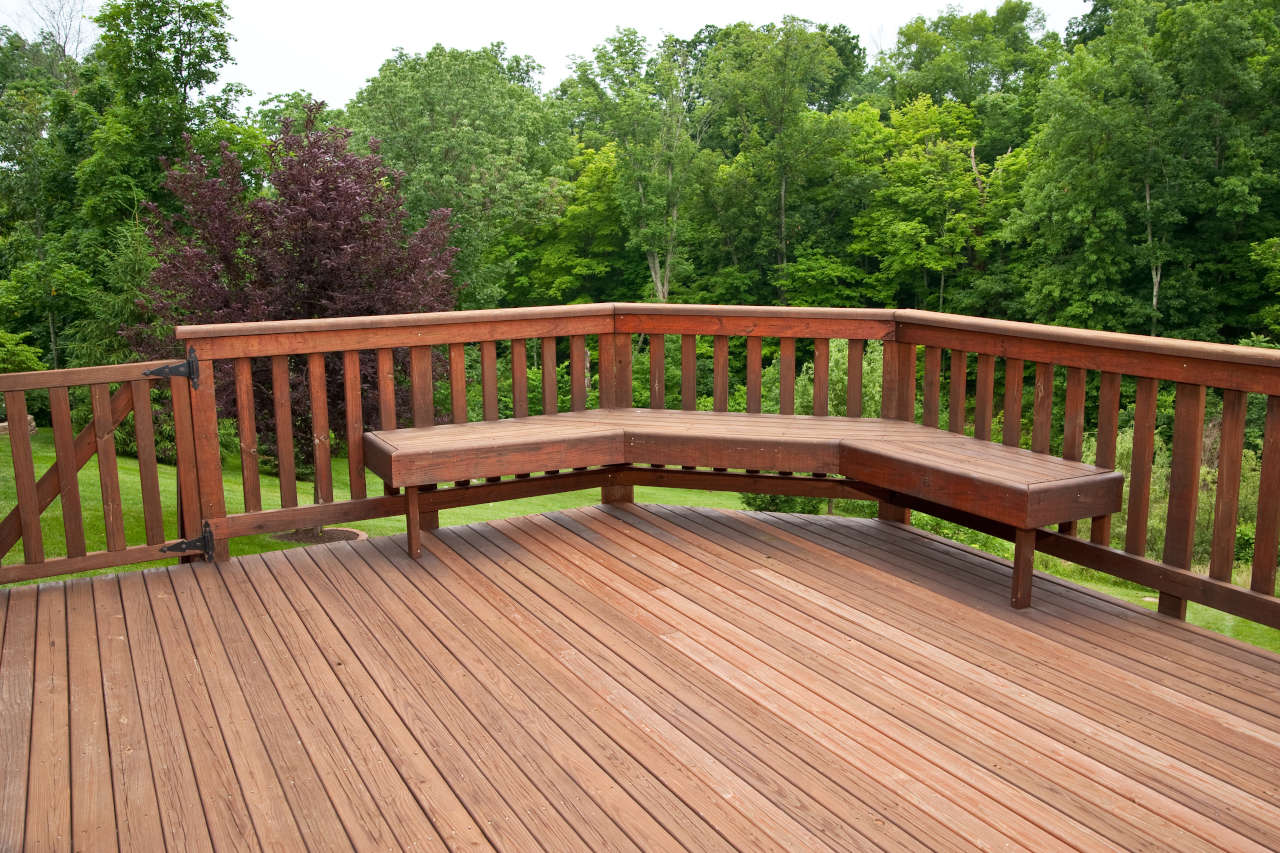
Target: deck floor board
[(625, 677)]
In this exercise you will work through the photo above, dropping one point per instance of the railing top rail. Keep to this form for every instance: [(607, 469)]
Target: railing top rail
[(753, 311), (40, 379)]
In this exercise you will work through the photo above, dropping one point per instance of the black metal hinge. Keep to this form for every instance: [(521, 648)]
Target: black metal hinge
[(188, 368), (202, 543)]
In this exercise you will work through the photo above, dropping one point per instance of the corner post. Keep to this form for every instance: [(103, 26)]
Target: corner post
[(204, 430), (897, 402), (616, 393)]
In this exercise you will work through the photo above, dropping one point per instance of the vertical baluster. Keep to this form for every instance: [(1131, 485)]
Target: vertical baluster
[(519, 379), (1073, 427), (578, 372), (550, 393), (1144, 430), (821, 375), (1108, 427), (204, 431), (720, 371), (984, 397), (688, 372), (184, 444), (657, 371), (1042, 409), (422, 386), (958, 390), (108, 471), (787, 376), (1226, 506), (281, 394), (489, 378), (353, 401), (1184, 487), (386, 390), (24, 473), (932, 385), (754, 370), (148, 471), (68, 481), (458, 382), (248, 432), (1267, 541), (1013, 379), (320, 426), (853, 379)]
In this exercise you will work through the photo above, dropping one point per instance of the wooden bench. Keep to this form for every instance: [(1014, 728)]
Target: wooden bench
[(1006, 485)]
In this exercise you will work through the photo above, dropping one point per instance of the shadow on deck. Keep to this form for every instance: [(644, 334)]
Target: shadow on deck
[(623, 677)]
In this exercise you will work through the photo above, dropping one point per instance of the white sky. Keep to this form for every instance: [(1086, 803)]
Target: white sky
[(331, 47)]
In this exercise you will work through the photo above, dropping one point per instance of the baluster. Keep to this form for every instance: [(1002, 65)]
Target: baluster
[(489, 378), (932, 385), (281, 393), (519, 379), (354, 403), (957, 390), (1226, 504), (24, 473), (1013, 379), (320, 426), (184, 441), (386, 390), (688, 372), (720, 372), (821, 375), (1108, 426), (754, 369), (1042, 409), (657, 371), (458, 382), (550, 393), (1073, 427), (1184, 487), (148, 471), (787, 376), (422, 386), (68, 481), (1266, 542), (578, 372), (1144, 428), (984, 397), (248, 432), (108, 471), (853, 379)]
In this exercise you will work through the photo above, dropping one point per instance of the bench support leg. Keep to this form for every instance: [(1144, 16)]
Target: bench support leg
[(412, 518), (1024, 556), (617, 494), (892, 512)]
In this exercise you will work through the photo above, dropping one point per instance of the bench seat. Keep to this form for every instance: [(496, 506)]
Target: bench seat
[(1008, 485)]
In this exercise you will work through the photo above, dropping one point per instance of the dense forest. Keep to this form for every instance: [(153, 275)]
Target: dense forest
[(1120, 175)]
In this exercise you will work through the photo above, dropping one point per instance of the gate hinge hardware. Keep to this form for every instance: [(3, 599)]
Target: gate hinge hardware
[(188, 368), (202, 543)]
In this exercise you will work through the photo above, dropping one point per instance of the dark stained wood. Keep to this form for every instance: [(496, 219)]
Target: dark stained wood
[(422, 384), (956, 386), (184, 443), (657, 371), (281, 391), (108, 470), (688, 372), (578, 372), (1144, 427), (92, 805), (754, 370), (853, 379), (821, 375), (1013, 379), (983, 400), (248, 433), (932, 385), (17, 667), (386, 389), (519, 379), (131, 554), (458, 383), (616, 372), (49, 773), (1042, 409), (353, 402), (68, 482), (148, 472), (787, 376), (204, 429), (1184, 487), (1267, 540), (550, 390), (1073, 426), (746, 320), (1108, 428), (720, 374), (24, 474), (488, 380), (320, 427), (108, 374)]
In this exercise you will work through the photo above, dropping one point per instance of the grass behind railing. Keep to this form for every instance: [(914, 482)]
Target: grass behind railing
[(91, 504)]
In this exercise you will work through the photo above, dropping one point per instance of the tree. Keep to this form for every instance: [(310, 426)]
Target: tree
[(471, 134)]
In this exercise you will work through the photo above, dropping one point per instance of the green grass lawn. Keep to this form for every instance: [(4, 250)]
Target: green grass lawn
[(91, 505)]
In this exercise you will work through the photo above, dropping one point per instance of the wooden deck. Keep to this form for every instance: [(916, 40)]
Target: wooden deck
[(622, 678)]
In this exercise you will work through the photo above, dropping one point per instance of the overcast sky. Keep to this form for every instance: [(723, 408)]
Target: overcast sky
[(331, 47)]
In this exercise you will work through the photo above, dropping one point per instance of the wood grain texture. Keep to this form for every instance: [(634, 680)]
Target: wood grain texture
[(550, 399), (1108, 429), (148, 473), (578, 373), (386, 369), (24, 477), (787, 376), (488, 380), (519, 379), (1144, 427), (1013, 380), (458, 382), (108, 469), (246, 426), (68, 481), (353, 402), (932, 386), (754, 371), (956, 391), (657, 371), (281, 392), (688, 372), (821, 375), (1184, 487), (853, 379), (320, 441), (1266, 546), (1042, 409), (184, 445), (720, 373), (983, 397), (422, 386)]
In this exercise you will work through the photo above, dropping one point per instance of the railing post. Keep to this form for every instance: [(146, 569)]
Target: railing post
[(897, 402), (616, 393), (208, 455)]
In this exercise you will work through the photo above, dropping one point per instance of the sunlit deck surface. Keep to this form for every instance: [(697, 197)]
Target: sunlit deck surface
[(620, 678)]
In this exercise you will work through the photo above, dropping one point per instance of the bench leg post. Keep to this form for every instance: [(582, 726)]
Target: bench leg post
[(617, 494), (1024, 556), (414, 533), (892, 512)]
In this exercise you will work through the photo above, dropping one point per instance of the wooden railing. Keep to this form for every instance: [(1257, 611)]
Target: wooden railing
[(1048, 389)]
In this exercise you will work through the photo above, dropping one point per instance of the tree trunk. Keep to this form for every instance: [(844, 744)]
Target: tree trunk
[(1157, 267), (782, 223)]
